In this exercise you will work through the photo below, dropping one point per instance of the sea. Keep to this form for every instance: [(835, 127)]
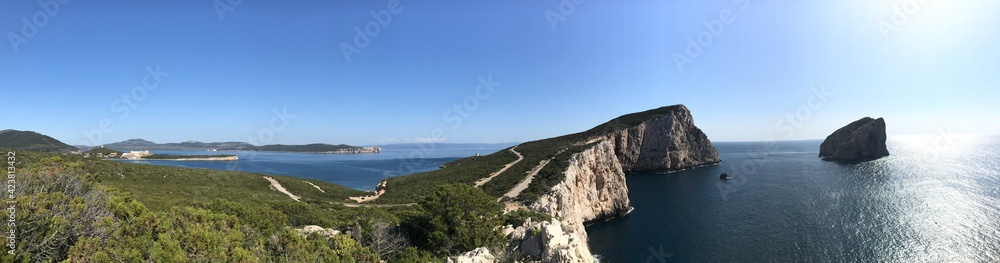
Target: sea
[(936, 198), (356, 171)]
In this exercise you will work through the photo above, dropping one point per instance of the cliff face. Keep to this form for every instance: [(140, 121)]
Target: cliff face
[(860, 141), (594, 186), (668, 143)]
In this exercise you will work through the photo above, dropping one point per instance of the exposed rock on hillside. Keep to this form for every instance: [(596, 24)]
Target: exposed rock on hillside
[(862, 140), (668, 143), (479, 255), (594, 186), (550, 241)]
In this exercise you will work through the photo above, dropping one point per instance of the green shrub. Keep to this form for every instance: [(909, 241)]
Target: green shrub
[(519, 216), (461, 218)]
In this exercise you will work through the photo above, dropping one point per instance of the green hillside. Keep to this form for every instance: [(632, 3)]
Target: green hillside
[(75, 209), (32, 141), (315, 147), (94, 210), (406, 189)]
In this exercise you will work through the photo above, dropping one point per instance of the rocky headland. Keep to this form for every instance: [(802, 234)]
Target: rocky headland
[(660, 140)]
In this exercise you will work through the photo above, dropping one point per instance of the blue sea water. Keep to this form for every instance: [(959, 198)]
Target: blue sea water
[(935, 199), (358, 171)]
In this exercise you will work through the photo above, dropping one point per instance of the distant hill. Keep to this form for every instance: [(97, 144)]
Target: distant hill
[(412, 146), (32, 141), (140, 144), (315, 147)]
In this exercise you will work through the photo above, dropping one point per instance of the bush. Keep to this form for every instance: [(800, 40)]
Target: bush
[(460, 218), (519, 216)]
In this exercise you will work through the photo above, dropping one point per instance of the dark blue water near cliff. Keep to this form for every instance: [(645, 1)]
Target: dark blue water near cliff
[(936, 199)]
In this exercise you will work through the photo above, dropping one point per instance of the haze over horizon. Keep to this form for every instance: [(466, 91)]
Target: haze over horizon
[(375, 72)]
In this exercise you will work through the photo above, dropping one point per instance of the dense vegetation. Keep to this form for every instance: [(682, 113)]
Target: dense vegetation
[(409, 189), (92, 210), (32, 141), (160, 187)]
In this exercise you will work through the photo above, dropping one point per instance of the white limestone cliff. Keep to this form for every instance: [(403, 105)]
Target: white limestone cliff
[(594, 186)]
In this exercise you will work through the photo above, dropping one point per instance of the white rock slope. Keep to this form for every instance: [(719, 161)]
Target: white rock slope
[(594, 186)]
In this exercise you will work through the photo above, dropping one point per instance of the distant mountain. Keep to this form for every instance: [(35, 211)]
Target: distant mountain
[(317, 148), (140, 144), (32, 141)]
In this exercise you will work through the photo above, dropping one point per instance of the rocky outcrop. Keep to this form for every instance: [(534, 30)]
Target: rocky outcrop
[(669, 143), (550, 241), (479, 255), (594, 186), (326, 232), (862, 140)]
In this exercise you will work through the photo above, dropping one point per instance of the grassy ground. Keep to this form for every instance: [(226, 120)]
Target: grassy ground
[(161, 187), (409, 188)]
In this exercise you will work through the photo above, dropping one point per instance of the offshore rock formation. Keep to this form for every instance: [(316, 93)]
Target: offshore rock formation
[(862, 140), (594, 185)]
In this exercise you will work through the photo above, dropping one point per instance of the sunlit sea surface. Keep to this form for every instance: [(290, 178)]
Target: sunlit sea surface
[(935, 199)]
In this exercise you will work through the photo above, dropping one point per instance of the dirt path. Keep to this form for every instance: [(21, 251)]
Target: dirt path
[(520, 157), (317, 187), (378, 205), (514, 192), (282, 189)]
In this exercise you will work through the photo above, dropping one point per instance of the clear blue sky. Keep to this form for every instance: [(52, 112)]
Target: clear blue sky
[(930, 66)]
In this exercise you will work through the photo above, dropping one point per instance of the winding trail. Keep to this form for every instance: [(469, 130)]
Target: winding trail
[(317, 187), (520, 157), (514, 192), (377, 205), (277, 186)]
